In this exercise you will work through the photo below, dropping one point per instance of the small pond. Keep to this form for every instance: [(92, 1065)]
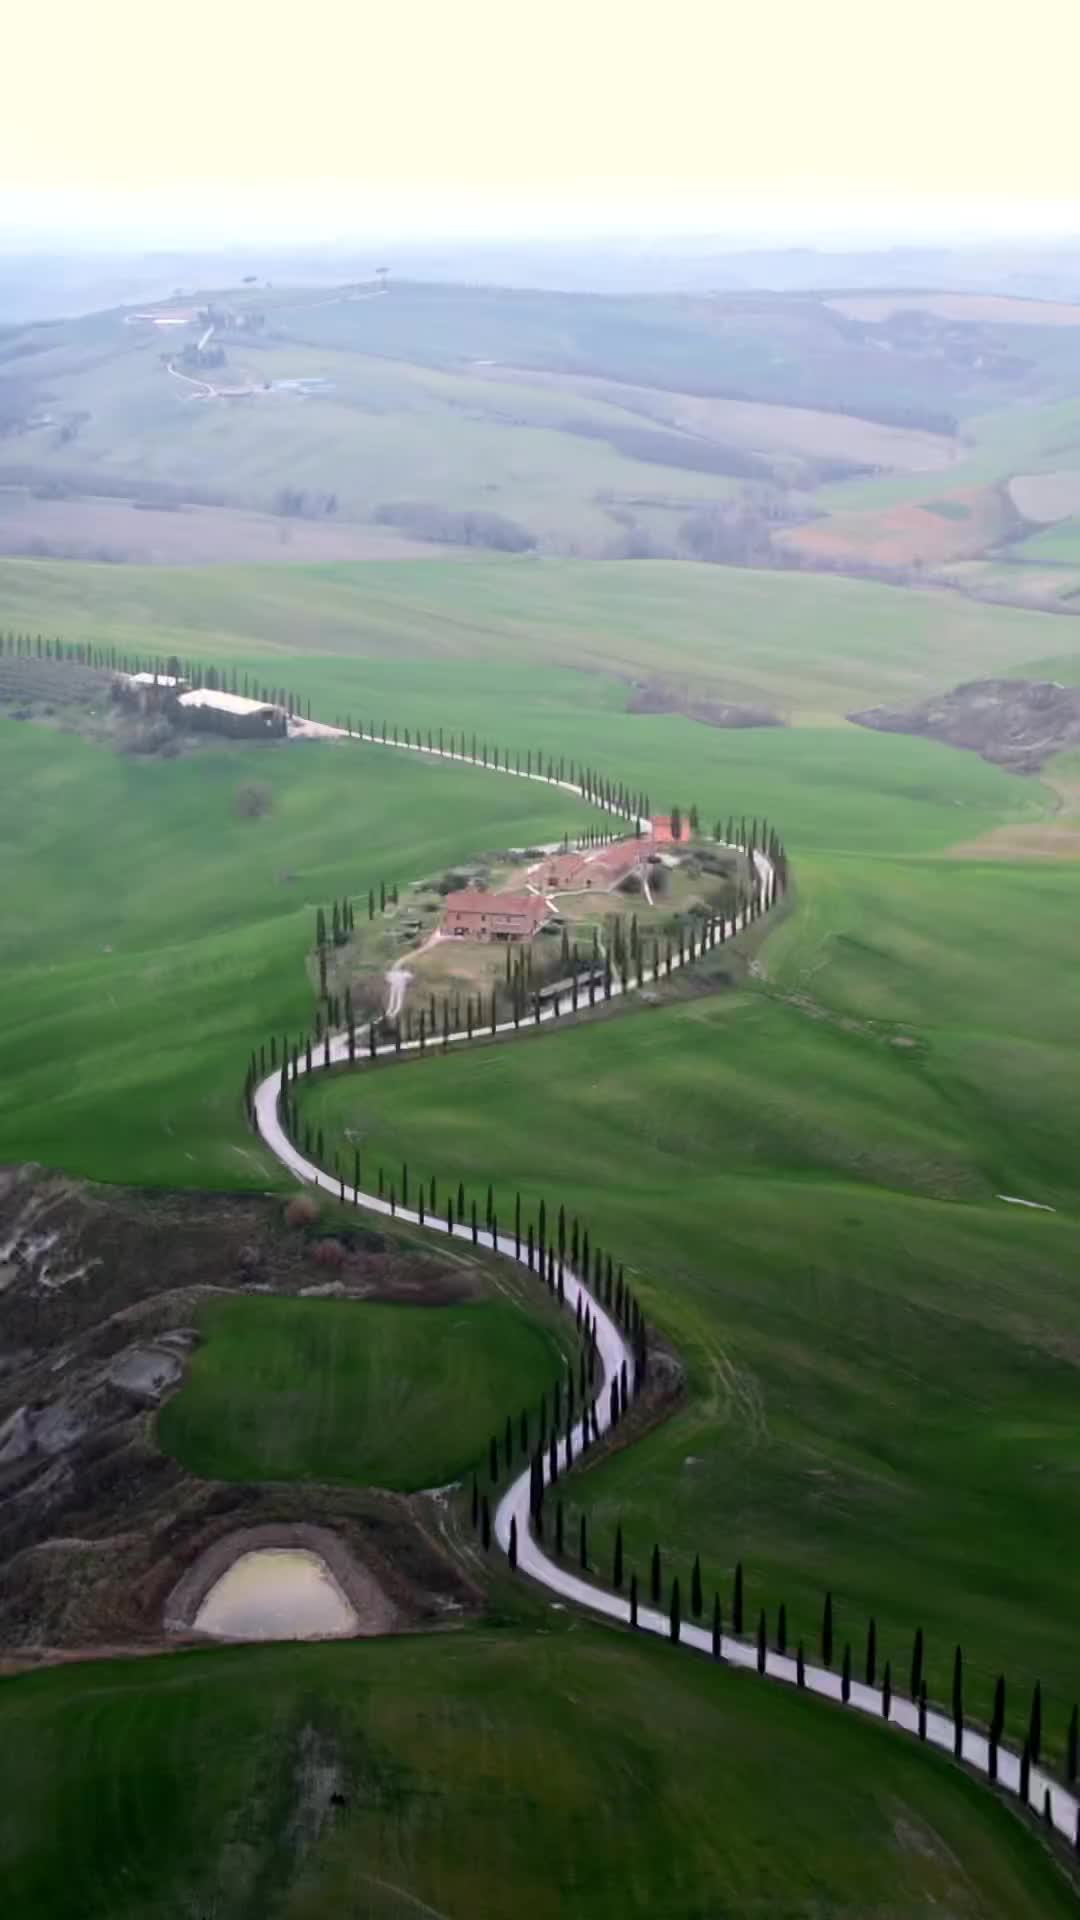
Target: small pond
[(277, 1593)]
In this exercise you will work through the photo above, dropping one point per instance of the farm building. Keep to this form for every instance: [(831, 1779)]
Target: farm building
[(474, 915), (660, 831), (217, 712)]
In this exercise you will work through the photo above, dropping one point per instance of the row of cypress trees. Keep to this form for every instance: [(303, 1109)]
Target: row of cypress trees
[(693, 941), (1031, 1751)]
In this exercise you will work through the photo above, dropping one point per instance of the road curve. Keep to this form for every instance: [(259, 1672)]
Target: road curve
[(613, 1355)]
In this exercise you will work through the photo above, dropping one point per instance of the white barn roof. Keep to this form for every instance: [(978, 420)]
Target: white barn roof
[(224, 702)]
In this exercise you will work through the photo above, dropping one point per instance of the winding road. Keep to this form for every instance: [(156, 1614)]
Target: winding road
[(613, 1353)]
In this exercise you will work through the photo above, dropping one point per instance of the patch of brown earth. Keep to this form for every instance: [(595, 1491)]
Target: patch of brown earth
[(1012, 723), (913, 534), (655, 696)]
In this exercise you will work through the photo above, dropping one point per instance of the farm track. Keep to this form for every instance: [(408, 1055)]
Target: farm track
[(513, 1514)]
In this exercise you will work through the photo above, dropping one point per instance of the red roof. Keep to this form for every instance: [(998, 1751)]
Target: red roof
[(471, 900)]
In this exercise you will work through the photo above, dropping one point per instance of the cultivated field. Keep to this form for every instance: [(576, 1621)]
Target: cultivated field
[(355, 1393), (117, 532), (913, 535), (990, 308), (437, 1775), (527, 651), (757, 426)]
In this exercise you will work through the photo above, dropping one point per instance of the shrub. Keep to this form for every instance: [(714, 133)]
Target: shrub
[(301, 1211), (252, 800), (330, 1253)]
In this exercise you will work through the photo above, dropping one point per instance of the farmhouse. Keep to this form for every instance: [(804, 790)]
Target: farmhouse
[(232, 713), (475, 915)]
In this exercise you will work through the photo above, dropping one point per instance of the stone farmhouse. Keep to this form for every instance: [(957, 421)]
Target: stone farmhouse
[(474, 915)]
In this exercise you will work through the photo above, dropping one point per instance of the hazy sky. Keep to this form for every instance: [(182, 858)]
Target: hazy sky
[(343, 119)]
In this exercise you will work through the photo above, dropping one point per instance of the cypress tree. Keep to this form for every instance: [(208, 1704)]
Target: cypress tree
[(1025, 1775), (871, 1653), (761, 1632), (654, 1577), (1034, 1739), (737, 1602), (485, 1523), (827, 1632), (511, 1551), (958, 1703), (800, 1667), (1048, 1814), (886, 1691), (696, 1601), (617, 1569), (717, 1629), (633, 1600), (845, 1674), (917, 1663), (922, 1711), (781, 1629), (674, 1614), (997, 1719)]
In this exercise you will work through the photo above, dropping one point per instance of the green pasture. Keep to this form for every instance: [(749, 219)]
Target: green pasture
[(404, 1397), (151, 935), (510, 642), (802, 1181), (568, 1772)]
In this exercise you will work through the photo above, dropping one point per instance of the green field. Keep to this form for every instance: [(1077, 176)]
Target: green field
[(152, 935), (881, 1352), (799, 1169), (331, 1390), (564, 1772), (503, 643)]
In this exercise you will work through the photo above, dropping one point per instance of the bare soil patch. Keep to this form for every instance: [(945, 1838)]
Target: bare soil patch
[(912, 534), (655, 696), (1013, 723)]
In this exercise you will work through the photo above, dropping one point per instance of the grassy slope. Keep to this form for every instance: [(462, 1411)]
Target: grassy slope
[(386, 430), (567, 1773), (881, 1353), (387, 1396), (153, 936), (813, 647)]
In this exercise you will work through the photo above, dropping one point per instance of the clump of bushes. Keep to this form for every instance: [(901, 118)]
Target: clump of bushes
[(470, 529), (301, 1211)]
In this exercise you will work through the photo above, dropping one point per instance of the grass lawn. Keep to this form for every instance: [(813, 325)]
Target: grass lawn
[(564, 1773), (151, 935), (881, 1353), (334, 1390)]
